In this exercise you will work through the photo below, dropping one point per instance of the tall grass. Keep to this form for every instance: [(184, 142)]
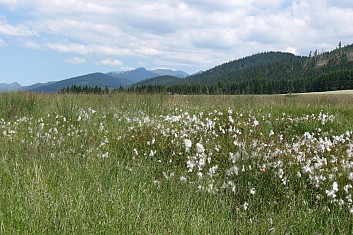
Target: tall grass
[(117, 164)]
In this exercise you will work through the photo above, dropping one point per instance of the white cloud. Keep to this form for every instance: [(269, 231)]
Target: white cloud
[(15, 30), (110, 62), (197, 33), (75, 48), (76, 60), (291, 50)]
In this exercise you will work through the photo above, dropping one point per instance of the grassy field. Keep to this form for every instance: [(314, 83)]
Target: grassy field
[(163, 164), (340, 92)]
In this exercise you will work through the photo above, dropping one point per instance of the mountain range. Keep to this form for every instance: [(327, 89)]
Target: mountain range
[(111, 80), (10, 86), (265, 73), (262, 73)]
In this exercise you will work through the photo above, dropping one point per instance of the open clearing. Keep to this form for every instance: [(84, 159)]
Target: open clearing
[(165, 164), (342, 92)]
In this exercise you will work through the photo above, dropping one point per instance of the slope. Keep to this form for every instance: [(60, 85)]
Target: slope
[(161, 80), (10, 87), (135, 75), (272, 72), (169, 72), (93, 79)]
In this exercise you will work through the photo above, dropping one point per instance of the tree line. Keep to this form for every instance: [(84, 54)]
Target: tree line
[(330, 81), (77, 89)]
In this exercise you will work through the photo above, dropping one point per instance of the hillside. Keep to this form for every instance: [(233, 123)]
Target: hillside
[(36, 86), (141, 74), (272, 73), (241, 69), (111, 79), (93, 79), (169, 72), (161, 80), (10, 87), (262, 73), (135, 75)]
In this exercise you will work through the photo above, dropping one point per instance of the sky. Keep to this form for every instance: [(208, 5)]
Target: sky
[(51, 40)]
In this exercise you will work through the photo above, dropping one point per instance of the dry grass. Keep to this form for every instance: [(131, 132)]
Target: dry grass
[(342, 92)]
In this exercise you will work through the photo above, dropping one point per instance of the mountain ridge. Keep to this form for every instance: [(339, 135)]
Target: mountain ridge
[(9, 86), (266, 72), (92, 79), (115, 79)]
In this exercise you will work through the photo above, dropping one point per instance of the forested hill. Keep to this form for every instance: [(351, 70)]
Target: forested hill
[(241, 69), (271, 73)]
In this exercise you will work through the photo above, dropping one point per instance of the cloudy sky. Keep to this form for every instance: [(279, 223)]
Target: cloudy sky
[(46, 40)]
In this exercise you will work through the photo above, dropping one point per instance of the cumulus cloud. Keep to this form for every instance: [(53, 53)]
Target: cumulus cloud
[(110, 62), (196, 33), (76, 60), (82, 49), (15, 30), (291, 50)]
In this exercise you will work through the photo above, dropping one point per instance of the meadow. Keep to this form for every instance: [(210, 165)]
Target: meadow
[(168, 164)]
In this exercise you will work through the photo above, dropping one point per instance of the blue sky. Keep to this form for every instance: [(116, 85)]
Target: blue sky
[(48, 40)]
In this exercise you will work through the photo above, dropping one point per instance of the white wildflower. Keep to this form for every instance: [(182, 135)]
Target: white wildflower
[(105, 155), (234, 170), (187, 144), (231, 185), (152, 153), (350, 177), (190, 164), (271, 133), (280, 173), (335, 186), (330, 193), (234, 157), (347, 187), (245, 205), (183, 179), (341, 202), (212, 171), (200, 148)]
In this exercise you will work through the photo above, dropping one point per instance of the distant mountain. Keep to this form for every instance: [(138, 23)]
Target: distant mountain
[(34, 86), (169, 72), (141, 74), (242, 69), (197, 73), (161, 80), (262, 73), (112, 80), (93, 79), (268, 73), (135, 75), (275, 66), (233, 71), (10, 87)]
